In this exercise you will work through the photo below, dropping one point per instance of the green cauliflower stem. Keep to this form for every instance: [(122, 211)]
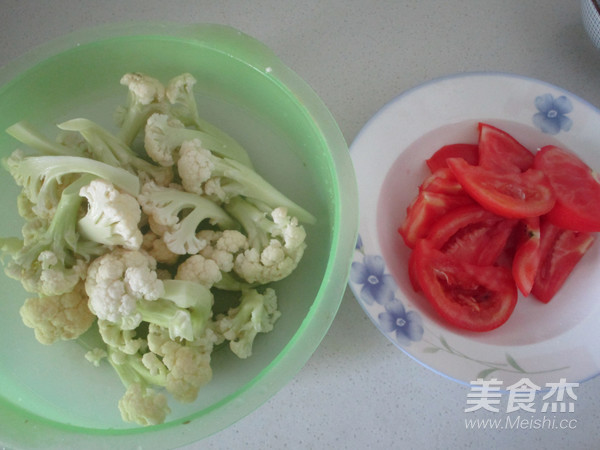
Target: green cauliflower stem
[(41, 177), (109, 149), (228, 178), (164, 205), (125, 341), (184, 107), (256, 313), (164, 135), (26, 133), (142, 403), (49, 260)]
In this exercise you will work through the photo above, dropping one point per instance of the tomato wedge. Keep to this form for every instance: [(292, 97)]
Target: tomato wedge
[(442, 181), (422, 213), (471, 234), (468, 152), (511, 195), (576, 186), (477, 298), (560, 251), (527, 255), (501, 152)]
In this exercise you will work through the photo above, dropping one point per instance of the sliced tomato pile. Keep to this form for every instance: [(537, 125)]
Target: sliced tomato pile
[(495, 218)]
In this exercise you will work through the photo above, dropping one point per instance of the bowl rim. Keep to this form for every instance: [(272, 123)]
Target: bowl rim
[(306, 339)]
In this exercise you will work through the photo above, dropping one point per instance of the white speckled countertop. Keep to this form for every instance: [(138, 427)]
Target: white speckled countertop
[(358, 390)]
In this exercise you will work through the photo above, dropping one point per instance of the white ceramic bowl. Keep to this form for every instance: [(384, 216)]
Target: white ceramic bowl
[(544, 342)]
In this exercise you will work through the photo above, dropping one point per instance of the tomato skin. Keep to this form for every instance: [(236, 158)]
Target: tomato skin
[(476, 298), (500, 152), (527, 255), (560, 251), (576, 187), (426, 208), (511, 195), (442, 181), (471, 234), (469, 152)]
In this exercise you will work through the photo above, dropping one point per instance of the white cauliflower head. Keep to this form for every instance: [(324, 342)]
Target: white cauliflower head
[(256, 313), (112, 217), (144, 88), (143, 405), (194, 165), (188, 366), (58, 317), (56, 279), (223, 246), (116, 280), (199, 269), (157, 142)]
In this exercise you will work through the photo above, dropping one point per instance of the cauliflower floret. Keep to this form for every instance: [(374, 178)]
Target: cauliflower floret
[(115, 282), (256, 313), (199, 269), (276, 244), (180, 93), (125, 341), (146, 96), (143, 405), (188, 365), (212, 266), (54, 278), (266, 265), (166, 206), (145, 88), (112, 217), (58, 317), (157, 248), (159, 144), (199, 165), (195, 165), (223, 246)]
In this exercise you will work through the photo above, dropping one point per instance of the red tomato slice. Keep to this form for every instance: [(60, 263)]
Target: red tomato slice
[(426, 208), (560, 251), (442, 181), (527, 256), (412, 273), (468, 152), (471, 234), (477, 298), (501, 152), (511, 195), (576, 186)]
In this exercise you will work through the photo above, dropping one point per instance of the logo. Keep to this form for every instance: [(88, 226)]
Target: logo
[(524, 396)]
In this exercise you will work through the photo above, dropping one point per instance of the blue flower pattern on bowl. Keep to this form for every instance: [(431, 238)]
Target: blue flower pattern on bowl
[(551, 117), (407, 326), (378, 288)]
